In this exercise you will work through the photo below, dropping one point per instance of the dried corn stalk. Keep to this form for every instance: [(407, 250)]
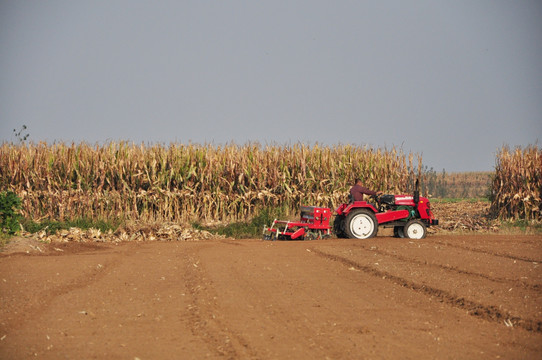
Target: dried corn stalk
[(188, 182), (518, 183)]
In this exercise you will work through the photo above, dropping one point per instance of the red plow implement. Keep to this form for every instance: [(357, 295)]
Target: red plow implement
[(314, 224)]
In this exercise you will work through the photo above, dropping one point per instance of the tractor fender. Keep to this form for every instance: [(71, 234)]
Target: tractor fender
[(344, 209)]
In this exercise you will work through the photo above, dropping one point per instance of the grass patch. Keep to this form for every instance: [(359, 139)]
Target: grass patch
[(523, 226), (4, 239), (247, 229)]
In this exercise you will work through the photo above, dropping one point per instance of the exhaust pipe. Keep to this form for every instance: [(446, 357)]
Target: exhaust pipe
[(417, 193)]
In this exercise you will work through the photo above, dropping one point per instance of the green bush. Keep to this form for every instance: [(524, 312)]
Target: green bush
[(10, 204)]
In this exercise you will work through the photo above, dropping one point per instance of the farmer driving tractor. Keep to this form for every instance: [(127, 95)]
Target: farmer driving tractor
[(358, 190)]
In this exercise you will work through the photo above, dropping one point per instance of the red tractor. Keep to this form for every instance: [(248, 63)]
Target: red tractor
[(408, 215)]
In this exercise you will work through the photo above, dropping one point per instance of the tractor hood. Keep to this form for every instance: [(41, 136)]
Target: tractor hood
[(408, 200)]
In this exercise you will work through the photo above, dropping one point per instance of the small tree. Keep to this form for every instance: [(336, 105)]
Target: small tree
[(10, 203)]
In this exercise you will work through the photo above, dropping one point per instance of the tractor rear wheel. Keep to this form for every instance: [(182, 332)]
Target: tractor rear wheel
[(415, 229), (361, 224)]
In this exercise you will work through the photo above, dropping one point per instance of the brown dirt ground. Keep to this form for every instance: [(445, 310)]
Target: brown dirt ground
[(446, 296)]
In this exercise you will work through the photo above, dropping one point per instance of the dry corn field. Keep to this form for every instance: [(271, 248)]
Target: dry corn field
[(186, 182), (517, 186)]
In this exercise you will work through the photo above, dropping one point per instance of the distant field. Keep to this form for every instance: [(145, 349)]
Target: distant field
[(462, 185)]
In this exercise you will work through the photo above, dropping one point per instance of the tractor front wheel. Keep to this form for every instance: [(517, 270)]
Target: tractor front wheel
[(361, 224), (415, 229)]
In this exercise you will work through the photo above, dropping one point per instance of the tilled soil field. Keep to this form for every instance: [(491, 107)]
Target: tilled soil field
[(445, 297)]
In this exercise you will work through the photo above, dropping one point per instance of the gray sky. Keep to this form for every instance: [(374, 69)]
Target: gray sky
[(452, 80)]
